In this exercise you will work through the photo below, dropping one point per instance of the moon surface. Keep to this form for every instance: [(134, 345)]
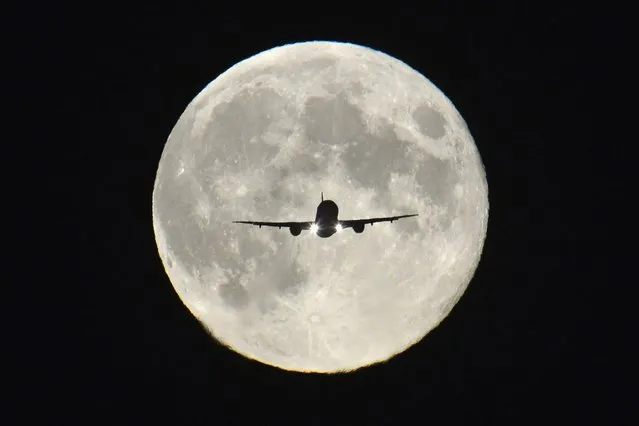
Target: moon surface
[(261, 142)]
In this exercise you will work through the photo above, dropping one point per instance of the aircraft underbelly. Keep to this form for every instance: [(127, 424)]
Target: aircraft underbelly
[(326, 232)]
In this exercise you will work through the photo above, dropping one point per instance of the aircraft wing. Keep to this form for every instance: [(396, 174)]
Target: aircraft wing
[(299, 225), (361, 222)]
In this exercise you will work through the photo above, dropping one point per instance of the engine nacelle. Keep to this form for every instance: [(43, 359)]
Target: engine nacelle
[(295, 230), (358, 228)]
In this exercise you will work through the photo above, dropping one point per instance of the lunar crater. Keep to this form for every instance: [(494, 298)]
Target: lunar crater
[(430, 122)]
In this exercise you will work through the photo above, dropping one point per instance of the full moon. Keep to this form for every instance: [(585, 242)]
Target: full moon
[(261, 142)]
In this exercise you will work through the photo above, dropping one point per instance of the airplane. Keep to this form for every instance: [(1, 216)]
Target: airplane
[(326, 222)]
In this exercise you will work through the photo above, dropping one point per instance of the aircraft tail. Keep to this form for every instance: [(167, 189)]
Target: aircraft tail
[(322, 196)]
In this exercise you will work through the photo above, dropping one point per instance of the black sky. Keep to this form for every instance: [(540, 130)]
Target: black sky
[(113, 344)]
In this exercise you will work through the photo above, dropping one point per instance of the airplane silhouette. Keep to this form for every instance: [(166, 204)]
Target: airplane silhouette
[(326, 222)]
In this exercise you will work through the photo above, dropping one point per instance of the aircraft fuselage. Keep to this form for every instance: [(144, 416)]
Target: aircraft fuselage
[(326, 218)]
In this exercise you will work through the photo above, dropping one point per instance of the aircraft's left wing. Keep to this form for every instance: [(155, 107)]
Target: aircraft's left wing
[(298, 225), (359, 223)]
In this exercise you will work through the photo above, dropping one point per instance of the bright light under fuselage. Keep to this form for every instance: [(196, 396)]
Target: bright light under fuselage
[(338, 227), (314, 228)]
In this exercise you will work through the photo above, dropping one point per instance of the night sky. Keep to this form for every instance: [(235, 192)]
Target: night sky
[(100, 337)]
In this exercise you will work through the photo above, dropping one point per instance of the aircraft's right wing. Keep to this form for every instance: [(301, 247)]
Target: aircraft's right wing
[(300, 225), (295, 228)]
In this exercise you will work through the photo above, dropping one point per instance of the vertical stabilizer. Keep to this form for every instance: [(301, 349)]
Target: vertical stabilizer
[(322, 196)]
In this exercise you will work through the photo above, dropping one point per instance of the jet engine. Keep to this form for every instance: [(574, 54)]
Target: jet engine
[(295, 230), (358, 228)]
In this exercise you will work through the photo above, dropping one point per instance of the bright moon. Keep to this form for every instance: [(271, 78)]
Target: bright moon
[(261, 142)]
